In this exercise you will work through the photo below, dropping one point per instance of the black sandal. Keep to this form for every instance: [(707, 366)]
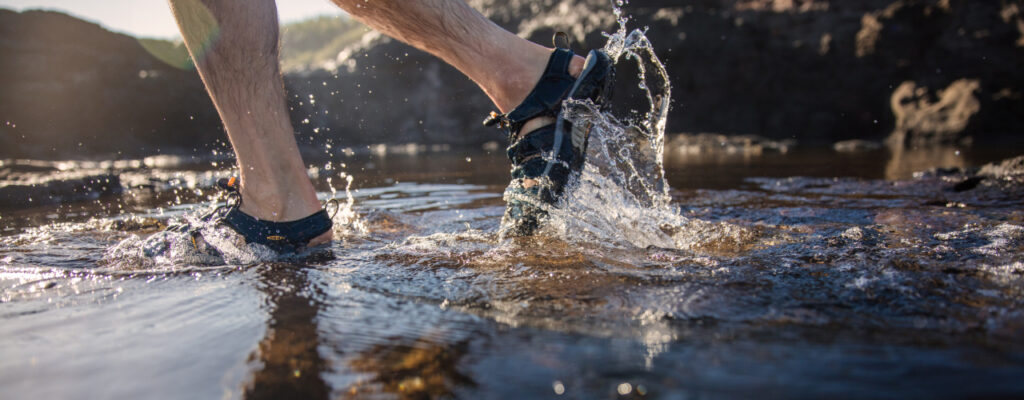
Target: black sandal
[(281, 237), (553, 153)]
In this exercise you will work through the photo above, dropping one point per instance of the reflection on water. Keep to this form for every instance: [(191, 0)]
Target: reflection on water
[(903, 163), (289, 363)]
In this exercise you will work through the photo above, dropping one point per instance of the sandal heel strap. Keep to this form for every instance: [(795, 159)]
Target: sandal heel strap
[(282, 237), (539, 142)]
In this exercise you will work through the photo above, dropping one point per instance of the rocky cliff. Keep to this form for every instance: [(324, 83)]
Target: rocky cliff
[(922, 71)]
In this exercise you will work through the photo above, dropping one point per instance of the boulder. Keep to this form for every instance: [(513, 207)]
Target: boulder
[(925, 120)]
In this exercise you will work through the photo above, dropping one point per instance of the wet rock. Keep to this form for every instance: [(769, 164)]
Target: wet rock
[(855, 236), (968, 184), (135, 223), (1007, 175), (1009, 168)]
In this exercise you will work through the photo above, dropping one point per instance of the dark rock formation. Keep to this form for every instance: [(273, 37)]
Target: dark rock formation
[(71, 89), (812, 70)]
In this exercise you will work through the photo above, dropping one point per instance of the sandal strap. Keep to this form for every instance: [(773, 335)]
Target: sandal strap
[(282, 237), (546, 97), (538, 143)]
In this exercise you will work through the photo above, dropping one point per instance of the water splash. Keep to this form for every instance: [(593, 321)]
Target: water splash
[(345, 219), (622, 197), (192, 239)]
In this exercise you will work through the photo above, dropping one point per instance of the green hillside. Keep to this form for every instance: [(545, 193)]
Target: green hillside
[(308, 44), (304, 44)]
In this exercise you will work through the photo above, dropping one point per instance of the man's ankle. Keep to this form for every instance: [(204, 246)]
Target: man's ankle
[(279, 206), (512, 86)]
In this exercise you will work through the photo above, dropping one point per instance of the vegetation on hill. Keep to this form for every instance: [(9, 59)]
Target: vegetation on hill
[(307, 44)]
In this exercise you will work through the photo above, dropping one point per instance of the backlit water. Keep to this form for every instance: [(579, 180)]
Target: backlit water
[(841, 283), (807, 274)]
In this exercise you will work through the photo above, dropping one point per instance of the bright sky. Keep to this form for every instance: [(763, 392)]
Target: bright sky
[(152, 18)]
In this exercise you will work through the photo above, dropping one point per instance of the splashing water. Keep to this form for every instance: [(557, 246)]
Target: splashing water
[(622, 197), (195, 240), (345, 220)]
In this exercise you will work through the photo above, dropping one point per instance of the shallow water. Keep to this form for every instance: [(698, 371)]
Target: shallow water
[(722, 275), (786, 287)]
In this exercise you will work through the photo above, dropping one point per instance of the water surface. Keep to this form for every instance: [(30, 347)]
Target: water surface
[(847, 286)]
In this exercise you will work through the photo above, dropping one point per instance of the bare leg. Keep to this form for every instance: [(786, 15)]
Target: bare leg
[(504, 65), (234, 44)]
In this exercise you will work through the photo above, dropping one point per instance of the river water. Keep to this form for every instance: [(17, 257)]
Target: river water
[(794, 280), (730, 274)]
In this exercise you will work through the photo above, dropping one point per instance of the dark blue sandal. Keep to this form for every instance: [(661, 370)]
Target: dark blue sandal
[(551, 154), (281, 237)]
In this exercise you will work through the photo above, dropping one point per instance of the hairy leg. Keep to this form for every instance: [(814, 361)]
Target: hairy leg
[(234, 44), (504, 65)]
